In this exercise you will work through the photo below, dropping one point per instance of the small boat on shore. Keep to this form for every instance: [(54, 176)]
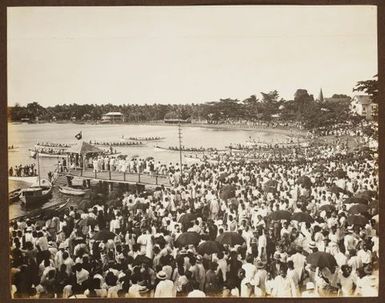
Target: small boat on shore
[(14, 195), (36, 194), (53, 154), (66, 190)]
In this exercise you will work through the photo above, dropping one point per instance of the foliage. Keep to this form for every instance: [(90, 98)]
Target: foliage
[(369, 87), (302, 109)]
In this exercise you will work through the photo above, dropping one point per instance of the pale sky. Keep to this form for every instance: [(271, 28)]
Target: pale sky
[(186, 54)]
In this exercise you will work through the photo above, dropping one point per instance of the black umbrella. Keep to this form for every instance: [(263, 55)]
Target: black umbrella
[(187, 238), (358, 209), (336, 189), (270, 186), (227, 192), (230, 238), (186, 219), (209, 247), (304, 181), (340, 173), (104, 235), (327, 208), (322, 259), (140, 259), (357, 220), (280, 215), (355, 200), (302, 217)]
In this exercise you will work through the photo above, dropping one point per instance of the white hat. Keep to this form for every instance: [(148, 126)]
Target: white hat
[(161, 275)]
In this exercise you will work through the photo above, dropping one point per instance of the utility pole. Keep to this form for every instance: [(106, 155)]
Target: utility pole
[(180, 144)]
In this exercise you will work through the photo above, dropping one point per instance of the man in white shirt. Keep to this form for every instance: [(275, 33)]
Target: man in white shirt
[(249, 268), (299, 261), (365, 255), (196, 292), (165, 287)]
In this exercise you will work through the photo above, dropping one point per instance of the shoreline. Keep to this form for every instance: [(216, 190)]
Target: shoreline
[(289, 130)]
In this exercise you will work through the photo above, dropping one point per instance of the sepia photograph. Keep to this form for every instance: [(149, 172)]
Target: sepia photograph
[(219, 151)]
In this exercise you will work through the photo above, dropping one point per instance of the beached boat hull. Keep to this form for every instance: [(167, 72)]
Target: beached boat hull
[(71, 191), (14, 195), (35, 196)]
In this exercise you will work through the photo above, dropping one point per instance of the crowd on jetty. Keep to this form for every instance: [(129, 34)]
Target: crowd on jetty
[(297, 224), (28, 170)]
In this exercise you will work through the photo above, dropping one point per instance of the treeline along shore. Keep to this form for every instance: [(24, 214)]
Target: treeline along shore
[(304, 111)]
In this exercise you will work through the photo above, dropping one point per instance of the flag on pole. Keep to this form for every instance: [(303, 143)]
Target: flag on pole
[(79, 135)]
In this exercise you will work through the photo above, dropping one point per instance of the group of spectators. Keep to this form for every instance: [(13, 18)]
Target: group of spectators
[(274, 226), (28, 170)]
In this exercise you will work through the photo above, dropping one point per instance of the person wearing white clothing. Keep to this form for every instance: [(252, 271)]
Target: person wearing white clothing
[(165, 288)]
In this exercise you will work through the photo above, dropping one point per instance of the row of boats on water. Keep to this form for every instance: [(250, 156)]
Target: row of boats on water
[(144, 138), (188, 149), (121, 143)]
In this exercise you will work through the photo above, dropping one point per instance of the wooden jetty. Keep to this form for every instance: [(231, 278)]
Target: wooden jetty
[(120, 177)]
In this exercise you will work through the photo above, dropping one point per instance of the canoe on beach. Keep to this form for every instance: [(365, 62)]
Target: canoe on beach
[(71, 191)]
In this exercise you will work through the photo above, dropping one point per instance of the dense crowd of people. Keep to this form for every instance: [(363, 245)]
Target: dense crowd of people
[(28, 170), (279, 225)]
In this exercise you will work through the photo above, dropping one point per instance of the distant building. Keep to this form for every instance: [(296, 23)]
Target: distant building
[(364, 106), (320, 96), (112, 117)]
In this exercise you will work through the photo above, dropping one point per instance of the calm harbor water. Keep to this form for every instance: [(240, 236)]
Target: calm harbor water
[(25, 136)]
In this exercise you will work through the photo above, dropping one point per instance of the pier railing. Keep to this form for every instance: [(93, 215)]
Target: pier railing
[(121, 177)]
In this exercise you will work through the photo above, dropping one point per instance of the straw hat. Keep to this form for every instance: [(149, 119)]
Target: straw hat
[(312, 245), (161, 275)]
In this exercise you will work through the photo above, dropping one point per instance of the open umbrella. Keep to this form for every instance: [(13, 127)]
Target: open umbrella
[(302, 217), (222, 177), (186, 219), (355, 200), (91, 221), (340, 173), (336, 189), (140, 259), (104, 235), (230, 238), (366, 195), (322, 259), (227, 192), (319, 169), (270, 186), (357, 220), (149, 158), (187, 238), (327, 208), (209, 247), (358, 209), (280, 215), (304, 181)]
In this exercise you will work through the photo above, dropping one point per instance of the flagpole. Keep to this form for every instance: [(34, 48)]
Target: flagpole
[(38, 166)]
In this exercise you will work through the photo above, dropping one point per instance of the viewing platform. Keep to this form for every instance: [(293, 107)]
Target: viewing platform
[(120, 177)]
